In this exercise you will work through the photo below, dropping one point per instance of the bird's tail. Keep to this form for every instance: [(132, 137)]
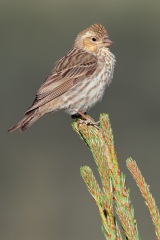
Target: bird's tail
[(26, 122)]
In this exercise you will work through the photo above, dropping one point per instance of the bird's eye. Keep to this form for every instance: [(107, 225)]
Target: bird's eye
[(94, 39)]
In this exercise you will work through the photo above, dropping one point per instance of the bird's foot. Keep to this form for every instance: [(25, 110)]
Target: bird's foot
[(89, 122), (85, 119)]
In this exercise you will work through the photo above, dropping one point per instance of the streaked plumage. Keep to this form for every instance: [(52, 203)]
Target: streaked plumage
[(78, 80)]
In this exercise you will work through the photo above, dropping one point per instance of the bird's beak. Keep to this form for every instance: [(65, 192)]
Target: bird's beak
[(107, 42)]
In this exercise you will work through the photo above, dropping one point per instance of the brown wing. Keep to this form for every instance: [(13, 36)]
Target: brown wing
[(71, 69)]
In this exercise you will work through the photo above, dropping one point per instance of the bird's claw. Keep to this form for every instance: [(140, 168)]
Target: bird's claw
[(89, 122)]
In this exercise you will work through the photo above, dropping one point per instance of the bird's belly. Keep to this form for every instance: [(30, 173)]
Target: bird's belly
[(87, 93)]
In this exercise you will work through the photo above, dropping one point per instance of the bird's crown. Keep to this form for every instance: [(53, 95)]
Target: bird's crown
[(97, 28)]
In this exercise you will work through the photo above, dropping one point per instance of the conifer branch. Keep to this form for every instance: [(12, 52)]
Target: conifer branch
[(144, 188), (113, 193)]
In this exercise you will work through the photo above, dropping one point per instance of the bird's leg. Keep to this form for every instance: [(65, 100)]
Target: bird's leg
[(77, 115), (83, 115), (87, 120)]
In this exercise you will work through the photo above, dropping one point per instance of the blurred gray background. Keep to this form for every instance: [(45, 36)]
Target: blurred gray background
[(42, 193)]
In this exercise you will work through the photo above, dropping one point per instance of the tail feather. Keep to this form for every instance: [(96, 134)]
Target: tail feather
[(26, 122), (33, 115)]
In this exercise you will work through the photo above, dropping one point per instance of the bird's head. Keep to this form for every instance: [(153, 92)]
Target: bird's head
[(93, 38)]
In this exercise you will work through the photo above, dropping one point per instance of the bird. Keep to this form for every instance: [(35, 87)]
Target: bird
[(77, 81)]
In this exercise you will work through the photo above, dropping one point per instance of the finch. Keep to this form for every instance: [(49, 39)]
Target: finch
[(77, 81)]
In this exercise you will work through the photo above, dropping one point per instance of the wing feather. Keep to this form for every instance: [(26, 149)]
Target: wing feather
[(72, 68)]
